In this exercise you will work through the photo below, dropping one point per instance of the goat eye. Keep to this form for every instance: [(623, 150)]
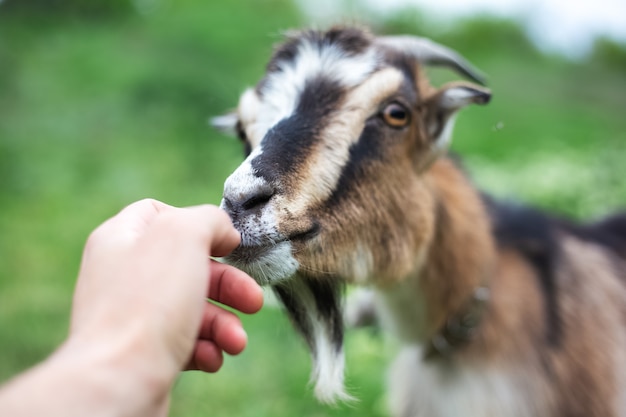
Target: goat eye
[(396, 115)]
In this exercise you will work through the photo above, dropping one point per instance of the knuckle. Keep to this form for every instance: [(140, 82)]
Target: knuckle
[(97, 236)]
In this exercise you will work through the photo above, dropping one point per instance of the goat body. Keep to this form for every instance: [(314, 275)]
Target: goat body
[(500, 310)]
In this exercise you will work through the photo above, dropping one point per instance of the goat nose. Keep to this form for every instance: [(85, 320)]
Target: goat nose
[(248, 201)]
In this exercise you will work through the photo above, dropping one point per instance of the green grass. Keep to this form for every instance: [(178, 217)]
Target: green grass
[(98, 112)]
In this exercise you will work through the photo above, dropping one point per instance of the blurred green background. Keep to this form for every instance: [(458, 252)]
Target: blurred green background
[(106, 102)]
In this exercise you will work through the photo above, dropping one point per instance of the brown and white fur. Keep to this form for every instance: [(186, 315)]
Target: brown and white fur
[(501, 310)]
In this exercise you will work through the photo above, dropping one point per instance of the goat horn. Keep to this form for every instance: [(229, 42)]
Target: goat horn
[(432, 53)]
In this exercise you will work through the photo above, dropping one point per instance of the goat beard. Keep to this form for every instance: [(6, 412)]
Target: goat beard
[(315, 309)]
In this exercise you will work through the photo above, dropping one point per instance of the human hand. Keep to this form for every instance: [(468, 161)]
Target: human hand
[(140, 316), (143, 285)]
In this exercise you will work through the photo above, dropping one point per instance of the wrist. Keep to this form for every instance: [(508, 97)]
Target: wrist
[(78, 381), (112, 378)]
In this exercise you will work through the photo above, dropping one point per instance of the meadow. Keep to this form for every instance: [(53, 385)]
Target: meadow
[(106, 103)]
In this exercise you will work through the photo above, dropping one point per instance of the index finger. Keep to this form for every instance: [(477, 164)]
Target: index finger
[(234, 288)]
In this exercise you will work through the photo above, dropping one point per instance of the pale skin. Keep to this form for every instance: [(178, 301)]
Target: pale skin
[(140, 316)]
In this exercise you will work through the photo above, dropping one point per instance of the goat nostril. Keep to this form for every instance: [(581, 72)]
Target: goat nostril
[(257, 200), (244, 195)]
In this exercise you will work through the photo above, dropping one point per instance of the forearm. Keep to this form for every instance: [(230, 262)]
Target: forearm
[(75, 382)]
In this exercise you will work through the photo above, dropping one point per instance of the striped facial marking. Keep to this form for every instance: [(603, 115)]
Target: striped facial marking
[(301, 122)]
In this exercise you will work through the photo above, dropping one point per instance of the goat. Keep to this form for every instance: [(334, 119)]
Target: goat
[(501, 310)]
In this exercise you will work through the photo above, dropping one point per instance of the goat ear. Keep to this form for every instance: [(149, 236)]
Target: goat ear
[(226, 123), (441, 109)]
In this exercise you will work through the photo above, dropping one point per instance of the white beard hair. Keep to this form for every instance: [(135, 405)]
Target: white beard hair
[(327, 355)]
